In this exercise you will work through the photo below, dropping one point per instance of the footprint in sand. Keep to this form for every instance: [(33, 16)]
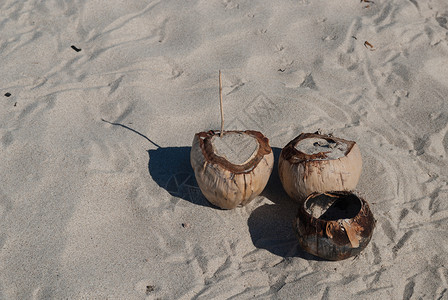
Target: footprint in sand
[(6, 139), (229, 4), (297, 79), (443, 20)]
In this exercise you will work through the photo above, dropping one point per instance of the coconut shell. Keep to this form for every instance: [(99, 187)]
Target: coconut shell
[(302, 174), (343, 230), (228, 185)]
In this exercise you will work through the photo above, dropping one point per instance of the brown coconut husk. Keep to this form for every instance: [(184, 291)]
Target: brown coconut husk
[(302, 174), (223, 183), (334, 225)]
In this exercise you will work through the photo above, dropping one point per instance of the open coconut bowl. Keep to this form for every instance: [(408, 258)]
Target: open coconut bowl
[(318, 163), (334, 225), (225, 182)]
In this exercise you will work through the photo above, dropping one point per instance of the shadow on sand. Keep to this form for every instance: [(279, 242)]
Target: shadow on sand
[(171, 170), (271, 225)]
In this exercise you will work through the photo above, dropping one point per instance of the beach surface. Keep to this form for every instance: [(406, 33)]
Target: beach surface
[(99, 103)]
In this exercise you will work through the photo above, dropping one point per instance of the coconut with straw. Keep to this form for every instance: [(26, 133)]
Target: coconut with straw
[(231, 167)]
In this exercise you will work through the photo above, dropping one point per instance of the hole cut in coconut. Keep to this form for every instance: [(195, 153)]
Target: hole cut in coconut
[(236, 147), (334, 225), (332, 149), (330, 207)]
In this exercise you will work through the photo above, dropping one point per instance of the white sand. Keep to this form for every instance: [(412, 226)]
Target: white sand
[(91, 210)]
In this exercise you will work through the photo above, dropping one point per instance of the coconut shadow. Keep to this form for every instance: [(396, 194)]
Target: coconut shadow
[(271, 225), (170, 169)]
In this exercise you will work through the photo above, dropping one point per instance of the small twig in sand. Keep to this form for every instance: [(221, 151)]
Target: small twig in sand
[(367, 1), (220, 100), (369, 46), (75, 48)]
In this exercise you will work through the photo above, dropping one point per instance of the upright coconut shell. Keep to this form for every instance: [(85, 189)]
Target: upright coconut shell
[(334, 225), (223, 183), (302, 174)]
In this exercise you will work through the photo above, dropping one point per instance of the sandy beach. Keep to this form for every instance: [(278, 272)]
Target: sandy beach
[(100, 101)]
